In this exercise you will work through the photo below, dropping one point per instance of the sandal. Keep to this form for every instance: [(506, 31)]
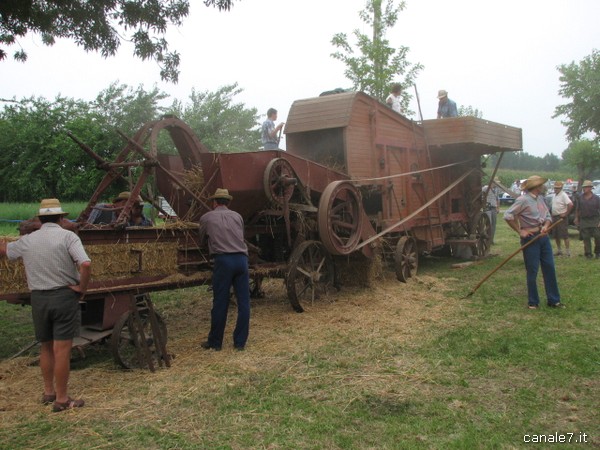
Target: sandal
[(533, 307), (69, 404), (48, 398)]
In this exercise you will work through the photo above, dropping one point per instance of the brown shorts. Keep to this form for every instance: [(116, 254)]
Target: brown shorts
[(56, 314), (561, 230)]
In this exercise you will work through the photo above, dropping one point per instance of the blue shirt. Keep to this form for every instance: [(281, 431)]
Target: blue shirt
[(447, 109), (529, 210), (267, 129)]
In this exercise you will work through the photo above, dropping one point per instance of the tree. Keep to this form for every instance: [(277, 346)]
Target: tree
[(39, 160), (584, 155), (100, 26), (220, 124), (374, 65), (580, 83), (470, 111)]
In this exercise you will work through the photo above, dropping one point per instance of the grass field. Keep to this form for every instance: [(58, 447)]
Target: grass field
[(392, 366)]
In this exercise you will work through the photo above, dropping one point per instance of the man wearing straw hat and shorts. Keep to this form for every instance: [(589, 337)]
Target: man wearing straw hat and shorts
[(58, 271), (226, 246), (529, 217), (561, 208)]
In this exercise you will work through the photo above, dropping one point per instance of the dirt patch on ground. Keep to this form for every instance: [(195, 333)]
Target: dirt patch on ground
[(355, 333)]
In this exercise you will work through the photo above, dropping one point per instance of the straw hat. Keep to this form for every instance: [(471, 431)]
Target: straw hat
[(51, 207), (532, 182), (125, 196), (442, 93), (587, 183), (221, 193), (558, 184)]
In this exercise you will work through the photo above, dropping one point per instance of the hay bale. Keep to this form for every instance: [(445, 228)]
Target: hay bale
[(109, 262), (358, 270)]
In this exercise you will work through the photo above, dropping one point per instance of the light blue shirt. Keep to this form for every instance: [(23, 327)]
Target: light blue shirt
[(447, 109)]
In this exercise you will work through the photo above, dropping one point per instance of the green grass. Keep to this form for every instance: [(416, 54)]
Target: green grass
[(22, 211), (393, 366)]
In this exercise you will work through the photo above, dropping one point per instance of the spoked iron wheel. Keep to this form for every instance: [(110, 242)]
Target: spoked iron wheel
[(123, 343), (310, 274), (340, 217), (406, 258), (279, 181), (481, 231)]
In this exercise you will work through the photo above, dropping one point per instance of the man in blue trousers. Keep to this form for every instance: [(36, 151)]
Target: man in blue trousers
[(224, 229), (530, 218)]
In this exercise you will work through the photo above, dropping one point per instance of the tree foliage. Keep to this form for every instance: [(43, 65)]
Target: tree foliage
[(38, 159), (372, 64), (469, 111), (581, 84), (583, 155), (100, 26), (221, 125)]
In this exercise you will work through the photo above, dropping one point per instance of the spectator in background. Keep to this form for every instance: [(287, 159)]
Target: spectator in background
[(530, 218), (394, 100), (269, 132), (561, 208), (587, 218), (491, 206), (446, 107), (106, 213)]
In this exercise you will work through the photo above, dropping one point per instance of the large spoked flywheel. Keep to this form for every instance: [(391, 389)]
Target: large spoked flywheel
[(279, 181), (340, 217)]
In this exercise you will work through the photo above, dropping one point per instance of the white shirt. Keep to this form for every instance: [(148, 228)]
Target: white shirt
[(560, 203), (394, 101)]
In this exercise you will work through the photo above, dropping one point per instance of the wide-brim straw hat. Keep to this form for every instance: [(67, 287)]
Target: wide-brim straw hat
[(442, 93), (558, 184), (221, 193), (532, 182), (125, 196), (587, 183), (51, 207)]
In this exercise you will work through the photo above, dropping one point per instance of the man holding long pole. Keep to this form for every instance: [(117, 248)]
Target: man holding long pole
[(529, 217)]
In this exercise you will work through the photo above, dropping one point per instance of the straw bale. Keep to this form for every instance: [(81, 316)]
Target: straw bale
[(109, 262), (358, 270)]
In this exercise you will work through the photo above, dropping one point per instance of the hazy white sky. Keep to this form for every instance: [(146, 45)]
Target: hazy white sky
[(500, 57)]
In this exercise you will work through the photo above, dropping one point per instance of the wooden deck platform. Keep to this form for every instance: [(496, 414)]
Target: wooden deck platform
[(471, 131)]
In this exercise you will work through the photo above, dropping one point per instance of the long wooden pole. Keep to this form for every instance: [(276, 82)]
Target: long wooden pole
[(508, 258)]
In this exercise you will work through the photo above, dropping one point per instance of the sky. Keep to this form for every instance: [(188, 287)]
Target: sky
[(500, 57)]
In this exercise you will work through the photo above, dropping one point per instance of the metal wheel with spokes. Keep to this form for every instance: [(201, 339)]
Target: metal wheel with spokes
[(406, 258), (481, 230), (123, 343), (310, 274)]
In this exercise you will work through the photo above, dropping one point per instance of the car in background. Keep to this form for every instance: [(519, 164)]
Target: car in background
[(505, 199)]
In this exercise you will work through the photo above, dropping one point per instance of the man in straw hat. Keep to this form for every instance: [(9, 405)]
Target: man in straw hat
[(106, 213), (225, 231), (529, 217), (562, 206), (58, 271), (587, 218), (446, 107)]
